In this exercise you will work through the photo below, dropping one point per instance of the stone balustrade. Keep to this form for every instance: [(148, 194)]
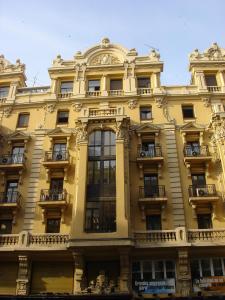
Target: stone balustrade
[(9, 240), (206, 235)]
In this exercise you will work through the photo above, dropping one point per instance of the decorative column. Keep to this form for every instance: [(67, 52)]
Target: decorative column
[(77, 227), (222, 80), (104, 86), (184, 274), (125, 271), (12, 90), (200, 81), (78, 272), (24, 271), (122, 180)]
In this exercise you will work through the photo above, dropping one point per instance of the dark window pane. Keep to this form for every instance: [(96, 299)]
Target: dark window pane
[(93, 85), (66, 87), (159, 272), (210, 80), (136, 266), (53, 226), (188, 111), (5, 226), (23, 120), (206, 270), (195, 272), (204, 221), (170, 269), (153, 222), (143, 82), (4, 91), (145, 113), (217, 267), (62, 117), (116, 84)]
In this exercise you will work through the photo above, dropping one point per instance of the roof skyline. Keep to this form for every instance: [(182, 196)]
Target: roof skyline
[(37, 32)]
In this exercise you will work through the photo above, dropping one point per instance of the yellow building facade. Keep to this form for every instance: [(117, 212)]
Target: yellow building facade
[(112, 184)]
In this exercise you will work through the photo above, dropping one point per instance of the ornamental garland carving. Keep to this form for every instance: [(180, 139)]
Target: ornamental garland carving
[(49, 108), (104, 59), (77, 106), (212, 53), (160, 101), (206, 101), (132, 104), (218, 125), (7, 111)]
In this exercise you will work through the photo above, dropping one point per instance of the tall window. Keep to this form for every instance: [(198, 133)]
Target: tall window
[(188, 111), (93, 85), (4, 90), (66, 87), (210, 80), (23, 120), (143, 82), (146, 113), (101, 187)]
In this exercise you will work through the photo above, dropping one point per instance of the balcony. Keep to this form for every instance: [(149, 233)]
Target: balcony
[(56, 159), (65, 95), (144, 91), (10, 200), (151, 155), (34, 90), (100, 216), (152, 195), (196, 154), (12, 161), (206, 236), (205, 194), (107, 112), (93, 93), (214, 89), (115, 93), (156, 238), (53, 199)]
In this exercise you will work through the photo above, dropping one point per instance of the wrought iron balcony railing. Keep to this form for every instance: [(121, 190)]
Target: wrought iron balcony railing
[(157, 191), (202, 190), (214, 88), (10, 197), (100, 216), (53, 195), (56, 156), (190, 151), (12, 159), (151, 152)]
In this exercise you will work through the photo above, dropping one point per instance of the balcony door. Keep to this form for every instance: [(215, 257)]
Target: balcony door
[(59, 151), (198, 180), (151, 185), (11, 190), (204, 221), (56, 189), (17, 154), (193, 148), (149, 148)]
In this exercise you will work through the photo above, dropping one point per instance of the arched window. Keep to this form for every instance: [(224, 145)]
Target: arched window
[(101, 183)]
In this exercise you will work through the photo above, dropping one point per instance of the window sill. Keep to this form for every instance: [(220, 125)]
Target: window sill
[(62, 125), (187, 120), (146, 120)]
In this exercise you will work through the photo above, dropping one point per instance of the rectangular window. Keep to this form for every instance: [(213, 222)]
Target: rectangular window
[(146, 113), (5, 226), (62, 117), (207, 267), (53, 225), (204, 221), (17, 154), (198, 180), (116, 84), (93, 85), (66, 87), (11, 191), (59, 151), (188, 111), (143, 83), (4, 91), (153, 222), (23, 120), (210, 80)]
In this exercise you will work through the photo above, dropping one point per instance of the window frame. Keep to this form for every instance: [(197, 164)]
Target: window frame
[(116, 80), (95, 90), (66, 90), (143, 78), (212, 270), (2, 223), (144, 108), (4, 93), (51, 219), (18, 125), (58, 117), (185, 106)]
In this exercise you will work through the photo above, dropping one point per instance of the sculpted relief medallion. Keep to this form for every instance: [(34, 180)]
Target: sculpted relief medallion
[(105, 59)]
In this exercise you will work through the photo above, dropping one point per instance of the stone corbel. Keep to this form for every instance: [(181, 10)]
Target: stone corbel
[(206, 101), (48, 175), (194, 213), (67, 142), (65, 173), (160, 170), (143, 215), (139, 139), (21, 177), (201, 138), (43, 214), (183, 137), (25, 145), (141, 175), (213, 212), (188, 166), (163, 212), (63, 215)]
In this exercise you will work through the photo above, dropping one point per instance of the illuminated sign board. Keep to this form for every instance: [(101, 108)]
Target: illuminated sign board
[(213, 283), (165, 286)]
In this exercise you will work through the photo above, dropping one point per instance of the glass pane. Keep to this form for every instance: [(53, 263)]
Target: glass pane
[(170, 269), (97, 172), (93, 85), (97, 151), (206, 270), (147, 266), (107, 137), (136, 266), (217, 266), (159, 273), (195, 272), (116, 84), (143, 82), (106, 178), (98, 140), (4, 90), (90, 172), (112, 171), (210, 80), (5, 226), (153, 222)]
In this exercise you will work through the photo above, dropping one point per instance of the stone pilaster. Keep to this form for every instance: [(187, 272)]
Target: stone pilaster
[(78, 272), (184, 273), (124, 282), (23, 280)]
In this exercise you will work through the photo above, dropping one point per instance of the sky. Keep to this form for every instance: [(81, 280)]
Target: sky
[(37, 30)]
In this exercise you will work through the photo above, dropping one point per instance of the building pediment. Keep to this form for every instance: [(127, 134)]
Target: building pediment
[(213, 53), (147, 128), (59, 132), (18, 136), (192, 127), (7, 67)]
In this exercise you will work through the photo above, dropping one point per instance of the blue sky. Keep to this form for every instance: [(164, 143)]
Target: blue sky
[(37, 30)]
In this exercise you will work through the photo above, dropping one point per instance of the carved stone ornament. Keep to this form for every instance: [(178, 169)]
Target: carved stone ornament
[(132, 104), (22, 287), (7, 111), (81, 132), (77, 106), (206, 101), (160, 101), (105, 42), (6, 66), (212, 53), (218, 125), (105, 59), (50, 108), (154, 55), (58, 61), (122, 130)]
